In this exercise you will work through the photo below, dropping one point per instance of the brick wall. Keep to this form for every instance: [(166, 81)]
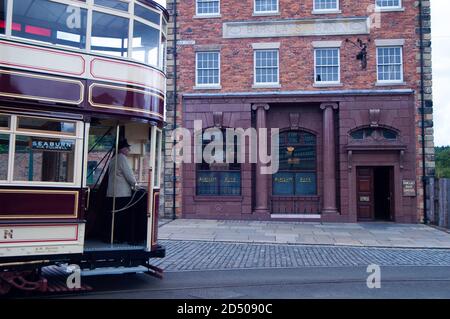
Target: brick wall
[(297, 62)]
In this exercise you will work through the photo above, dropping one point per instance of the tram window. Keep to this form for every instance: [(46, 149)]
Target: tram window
[(102, 140), (50, 22), (109, 34), (147, 14), (113, 4), (40, 124), (145, 43), (157, 159), (4, 156), (2, 16), (43, 159), (4, 121)]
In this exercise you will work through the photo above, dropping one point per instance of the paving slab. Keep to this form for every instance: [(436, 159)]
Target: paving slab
[(336, 234)]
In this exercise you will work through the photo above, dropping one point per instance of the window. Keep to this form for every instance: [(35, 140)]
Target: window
[(44, 159), (388, 3), (113, 4), (43, 150), (262, 6), (327, 66), (266, 67), (208, 7), (158, 135), (145, 43), (109, 34), (2, 16), (50, 22), (389, 64), (46, 125), (218, 178), (207, 68), (326, 5), (4, 156), (147, 14), (297, 175), (374, 133)]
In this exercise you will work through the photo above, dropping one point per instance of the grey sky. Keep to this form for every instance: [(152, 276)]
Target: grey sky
[(440, 10)]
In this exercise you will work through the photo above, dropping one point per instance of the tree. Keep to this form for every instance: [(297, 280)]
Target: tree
[(443, 162)]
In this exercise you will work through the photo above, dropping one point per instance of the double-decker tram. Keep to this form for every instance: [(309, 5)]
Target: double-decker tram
[(82, 95)]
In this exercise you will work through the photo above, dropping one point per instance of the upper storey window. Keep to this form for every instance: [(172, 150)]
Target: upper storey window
[(50, 22), (113, 4), (2, 16), (109, 34), (266, 67), (266, 6), (389, 4), (134, 29), (208, 7), (389, 64), (327, 65), (326, 5), (208, 69)]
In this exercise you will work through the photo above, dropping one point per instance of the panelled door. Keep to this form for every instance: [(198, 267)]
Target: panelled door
[(365, 193)]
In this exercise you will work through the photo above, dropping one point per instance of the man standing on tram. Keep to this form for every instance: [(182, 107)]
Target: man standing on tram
[(121, 184)]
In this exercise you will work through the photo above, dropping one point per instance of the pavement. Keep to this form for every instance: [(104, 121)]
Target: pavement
[(378, 234)]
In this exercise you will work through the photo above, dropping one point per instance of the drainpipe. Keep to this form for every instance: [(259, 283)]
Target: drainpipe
[(175, 102), (422, 107)]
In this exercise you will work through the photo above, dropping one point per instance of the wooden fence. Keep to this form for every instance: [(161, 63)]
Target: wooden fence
[(438, 202)]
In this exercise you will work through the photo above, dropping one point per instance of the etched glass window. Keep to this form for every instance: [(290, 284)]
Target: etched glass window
[(297, 175), (4, 156)]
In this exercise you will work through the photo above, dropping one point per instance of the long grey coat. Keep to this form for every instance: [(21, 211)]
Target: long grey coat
[(124, 179)]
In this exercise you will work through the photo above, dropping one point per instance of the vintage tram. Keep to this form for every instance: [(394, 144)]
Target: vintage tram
[(76, 78)]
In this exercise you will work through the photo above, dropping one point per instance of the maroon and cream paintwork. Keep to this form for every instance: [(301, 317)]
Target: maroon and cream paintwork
[(85, 81)]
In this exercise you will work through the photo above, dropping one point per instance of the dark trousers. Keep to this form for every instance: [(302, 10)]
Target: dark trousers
[(123, 220)]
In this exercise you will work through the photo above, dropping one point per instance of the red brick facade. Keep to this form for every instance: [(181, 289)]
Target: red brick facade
[(357, 94)]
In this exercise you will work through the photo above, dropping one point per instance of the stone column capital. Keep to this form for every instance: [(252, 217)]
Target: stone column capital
[(264, 106), (324, 106)]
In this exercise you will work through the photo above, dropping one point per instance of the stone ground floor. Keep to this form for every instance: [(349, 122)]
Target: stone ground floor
[(382, 234), (343, 157)]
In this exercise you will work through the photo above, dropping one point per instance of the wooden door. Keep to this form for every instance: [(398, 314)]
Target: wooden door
[(391, 194), (365, 193)]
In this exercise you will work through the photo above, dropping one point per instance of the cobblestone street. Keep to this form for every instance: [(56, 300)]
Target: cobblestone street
[(198, 255)]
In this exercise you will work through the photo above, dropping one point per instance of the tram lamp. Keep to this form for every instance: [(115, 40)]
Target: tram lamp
[(362, 55)]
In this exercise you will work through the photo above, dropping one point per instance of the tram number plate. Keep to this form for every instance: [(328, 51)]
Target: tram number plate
[(8, 234)]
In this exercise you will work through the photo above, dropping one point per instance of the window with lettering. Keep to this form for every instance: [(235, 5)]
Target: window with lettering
[(215, 175), (38, 150), (297, 175)]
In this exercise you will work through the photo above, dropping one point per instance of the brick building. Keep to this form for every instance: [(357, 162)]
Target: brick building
[(345, 82)]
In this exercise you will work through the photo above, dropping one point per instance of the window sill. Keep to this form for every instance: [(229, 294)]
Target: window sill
[(218, 198), (266, 86), (265, 14), (324, 85), (390, 83), (326, 11), (207, 16), (378, 9), (200, 87)]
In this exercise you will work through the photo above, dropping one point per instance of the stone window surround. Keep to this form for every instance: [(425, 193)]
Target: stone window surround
[(206, 15), (207, 48), (327, 45), (265, 13), (400, 7)]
